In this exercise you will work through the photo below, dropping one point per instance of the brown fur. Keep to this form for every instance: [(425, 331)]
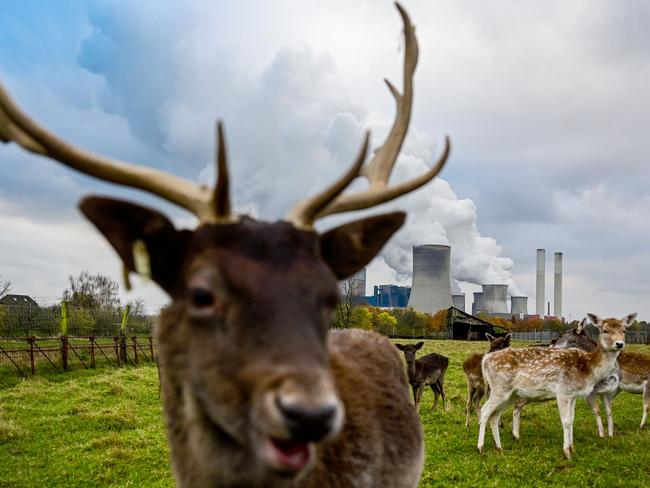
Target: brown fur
[(536, 374), (428, 370), (474, 374)]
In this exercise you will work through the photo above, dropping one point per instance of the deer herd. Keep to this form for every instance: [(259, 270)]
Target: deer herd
[(257, 391)]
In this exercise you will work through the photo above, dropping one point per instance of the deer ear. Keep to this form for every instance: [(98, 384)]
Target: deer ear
[(581, 326), (490, 337), (400, 346), (349, 247), (595, 320), (133, 230), (628, 320), (508, 337), (419, 345)]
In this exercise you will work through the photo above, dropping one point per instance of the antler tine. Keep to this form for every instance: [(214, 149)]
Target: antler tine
[(380, 167), (16, 126), (222, 189), (305, 212)]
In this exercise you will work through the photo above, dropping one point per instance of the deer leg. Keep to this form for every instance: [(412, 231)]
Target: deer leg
[(479, 393), (572, 412), (470, 401), (494, 402), (593, 404), (646, 404), (607, 402), (435, 390), (418, 394), (516, 418), (564, 407), (441, 386)]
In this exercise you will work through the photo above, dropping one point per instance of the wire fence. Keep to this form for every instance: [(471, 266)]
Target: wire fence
[(64, 353), (25, 321)]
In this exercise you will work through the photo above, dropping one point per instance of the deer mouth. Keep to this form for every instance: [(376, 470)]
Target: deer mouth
[(287, 455)]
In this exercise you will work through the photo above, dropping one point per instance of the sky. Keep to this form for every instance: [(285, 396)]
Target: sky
[(547, 105)]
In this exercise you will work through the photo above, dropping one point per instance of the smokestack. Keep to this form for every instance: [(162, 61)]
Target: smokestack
[(431, 278), (494, 299), (476, 306), (539, 289), (557, 286), (459, 301), (519, 306)]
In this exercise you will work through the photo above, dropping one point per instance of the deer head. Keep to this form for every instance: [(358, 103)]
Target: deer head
[(247, 384), (497, 343), (612, 331)]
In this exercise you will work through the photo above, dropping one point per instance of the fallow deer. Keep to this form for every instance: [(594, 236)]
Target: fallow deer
[(428, 370), (537, 374), (631, 374), (474, 374), (256, 391)]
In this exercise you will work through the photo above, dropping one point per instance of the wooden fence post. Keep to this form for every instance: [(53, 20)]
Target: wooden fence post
[(117, 349), (151, 348), (64, 352), (92, 351), (64, 318), (125, 317), (32, 363), (135, 350)]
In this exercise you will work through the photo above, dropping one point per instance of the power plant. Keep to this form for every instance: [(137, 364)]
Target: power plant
[(557, 285), (476, 306), (540, 285), (431, 290), (494, 299), (459, 301), (519, 306)]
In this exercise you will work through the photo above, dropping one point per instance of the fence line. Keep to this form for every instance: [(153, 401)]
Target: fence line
[(64, 353)]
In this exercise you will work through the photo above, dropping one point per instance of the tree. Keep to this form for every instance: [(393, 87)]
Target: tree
[(5, 287), (343, 318), (92, 291)]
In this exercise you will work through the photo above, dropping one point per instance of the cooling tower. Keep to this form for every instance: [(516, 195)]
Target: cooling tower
[(519, 305), (431, 279), (459, 301), (557, 286), (476, 306), (494, 299), (539, 288)]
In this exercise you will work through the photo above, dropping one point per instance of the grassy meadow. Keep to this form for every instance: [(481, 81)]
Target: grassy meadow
[(105, 428)]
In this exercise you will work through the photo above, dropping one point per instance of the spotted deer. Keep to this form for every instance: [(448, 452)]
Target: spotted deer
[(474, 374), (428, 370), (256, 391), (539, 374), (631, 374)]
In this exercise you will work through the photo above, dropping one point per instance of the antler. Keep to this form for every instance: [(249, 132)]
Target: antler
[(207, 204), (378, 170)]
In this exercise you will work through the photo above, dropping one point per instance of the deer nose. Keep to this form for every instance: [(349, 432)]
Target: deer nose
[(308, 423), (619, 344)]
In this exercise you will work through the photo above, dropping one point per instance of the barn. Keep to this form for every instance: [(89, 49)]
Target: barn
[(465, 327)]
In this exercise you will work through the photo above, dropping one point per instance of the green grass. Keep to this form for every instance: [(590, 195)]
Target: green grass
[(105, 428)]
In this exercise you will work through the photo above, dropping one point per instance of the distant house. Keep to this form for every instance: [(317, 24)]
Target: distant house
[(465, 327), (18, 301)]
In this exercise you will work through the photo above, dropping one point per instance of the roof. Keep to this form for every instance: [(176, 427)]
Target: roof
[(456, 313), (18, 300)]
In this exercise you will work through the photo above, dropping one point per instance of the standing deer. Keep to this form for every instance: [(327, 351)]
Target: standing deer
[(538, 374), (631, 374), (428, 370), (475, 381), (256, 391), (606, 388)]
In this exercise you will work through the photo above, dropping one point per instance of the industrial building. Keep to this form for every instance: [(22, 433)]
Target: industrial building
[(431, 278)]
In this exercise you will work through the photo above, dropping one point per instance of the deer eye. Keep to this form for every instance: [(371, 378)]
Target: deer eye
[(200, 297), (605, 331)]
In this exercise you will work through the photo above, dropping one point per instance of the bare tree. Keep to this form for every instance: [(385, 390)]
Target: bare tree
[(93, 291), (5, 287)]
